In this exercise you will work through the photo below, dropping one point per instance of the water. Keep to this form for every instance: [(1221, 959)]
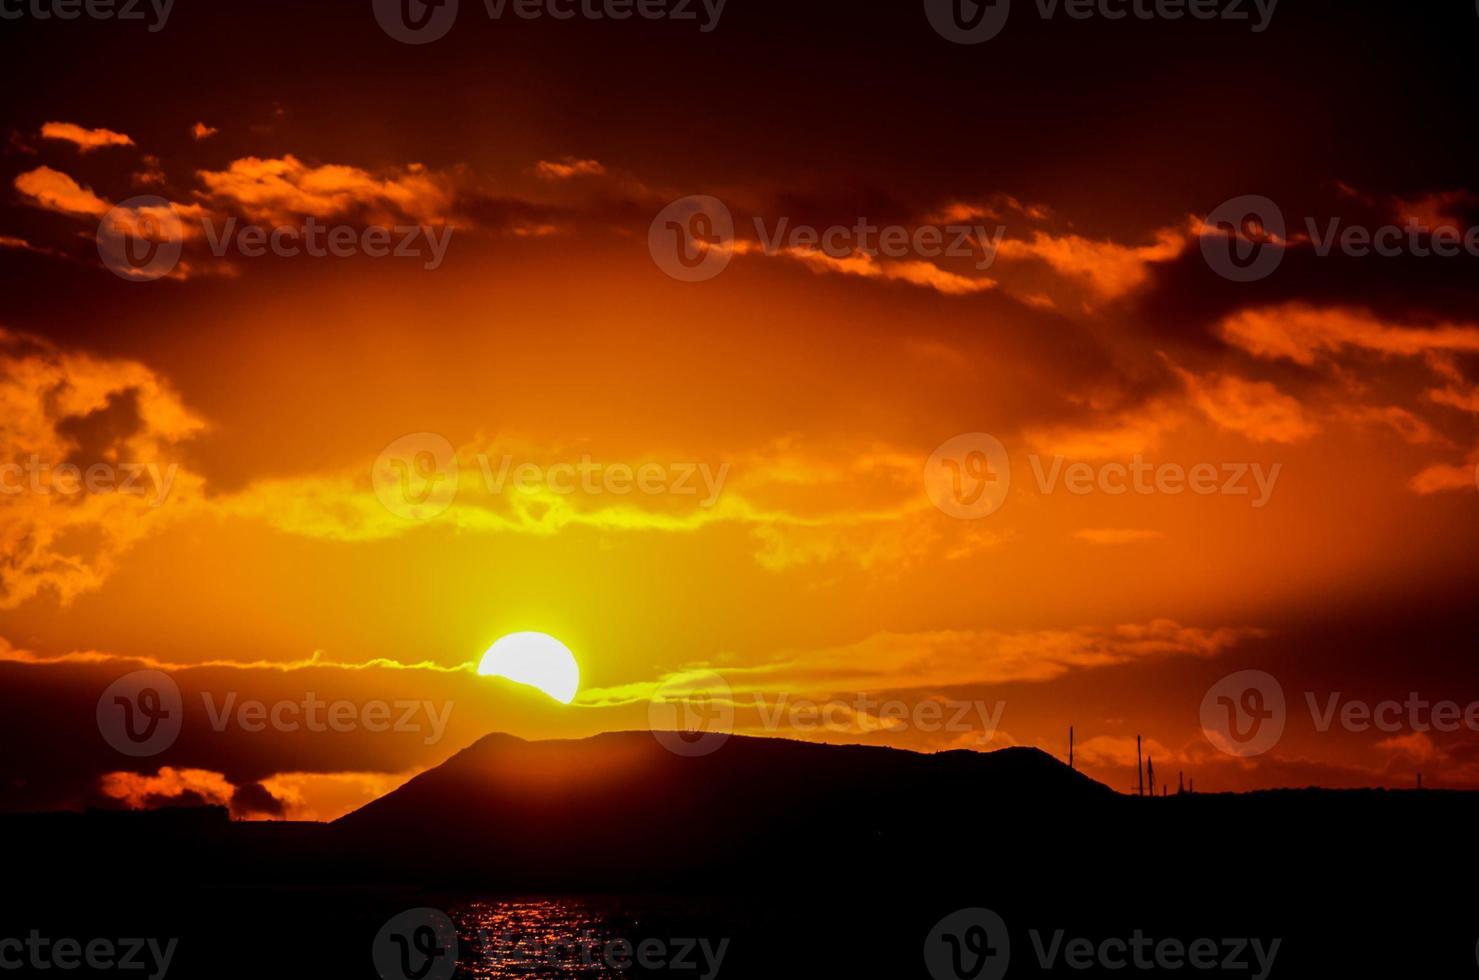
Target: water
[(540, 938)]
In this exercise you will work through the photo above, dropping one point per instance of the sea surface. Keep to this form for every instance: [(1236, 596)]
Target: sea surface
[(578, 938)]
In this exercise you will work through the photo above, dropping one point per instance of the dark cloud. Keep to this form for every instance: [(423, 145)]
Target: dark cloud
[(254, 801), (99, 435)]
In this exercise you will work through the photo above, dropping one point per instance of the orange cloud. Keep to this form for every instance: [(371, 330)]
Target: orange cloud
[(1256, 409), (863, 506), (200, 131), (1301, 333), (55, 191), (865, 266), (1466, 401), (58, 534), (916, 273), (87, 140), (567, 168), (151, 174), (1417, 746), (328, 796), (20, 244), (1407, 425), (1109, 268), (945, 659), (995, 208), (287, 189), (1124, 433), (1444, 477), (1435, 210), (138, 791), (315, 662), (1121, 751), (290, 796)]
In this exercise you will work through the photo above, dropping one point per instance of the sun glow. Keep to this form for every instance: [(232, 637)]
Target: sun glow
[(536, 659)]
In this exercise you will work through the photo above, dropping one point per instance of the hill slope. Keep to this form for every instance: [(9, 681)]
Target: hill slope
[(621, 804)]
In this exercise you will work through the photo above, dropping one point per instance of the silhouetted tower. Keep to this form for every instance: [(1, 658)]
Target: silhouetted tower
[(1150, 775), (1139, 768), (1180, 782)]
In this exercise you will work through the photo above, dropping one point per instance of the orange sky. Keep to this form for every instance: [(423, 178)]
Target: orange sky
[(818, 385)]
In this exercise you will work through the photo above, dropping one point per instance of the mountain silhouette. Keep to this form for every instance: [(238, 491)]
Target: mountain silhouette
[(813, 859), (620, 806)]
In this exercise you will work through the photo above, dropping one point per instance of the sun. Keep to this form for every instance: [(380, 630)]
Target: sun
[(536, 659)]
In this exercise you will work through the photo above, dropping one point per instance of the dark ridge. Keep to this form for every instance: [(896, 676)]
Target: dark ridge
[(620, 806)]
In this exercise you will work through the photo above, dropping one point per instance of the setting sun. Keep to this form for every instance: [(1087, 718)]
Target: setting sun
[(536, 659), (994, 496)]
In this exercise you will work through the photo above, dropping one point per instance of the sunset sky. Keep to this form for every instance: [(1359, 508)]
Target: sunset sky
[(818, 385)]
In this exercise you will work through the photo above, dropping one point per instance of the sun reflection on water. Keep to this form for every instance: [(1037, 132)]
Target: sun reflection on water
[(543, 938)]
